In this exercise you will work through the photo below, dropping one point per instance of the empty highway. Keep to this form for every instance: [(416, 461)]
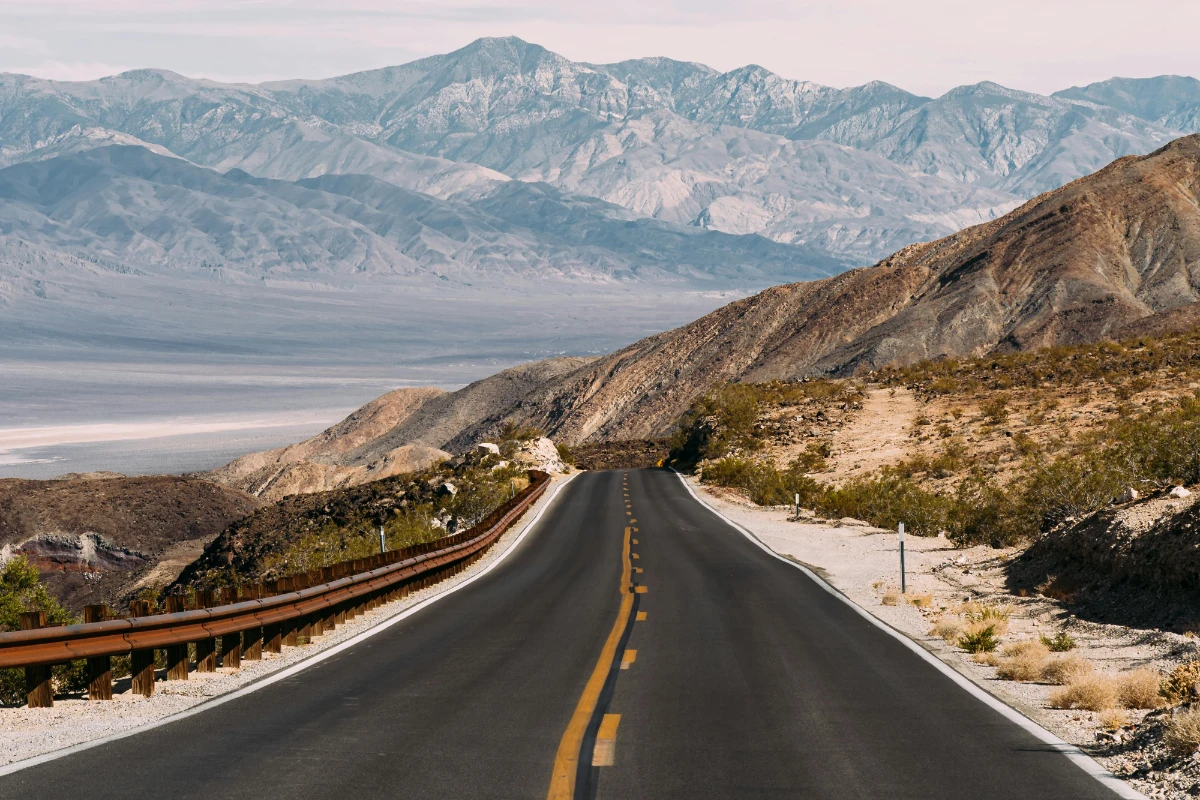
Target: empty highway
[(632, 626)]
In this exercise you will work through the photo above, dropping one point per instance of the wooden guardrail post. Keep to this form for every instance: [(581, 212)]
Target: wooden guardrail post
[(329, 620), (231, 643), (177, 654), (99, 668), (272, 634), (206, 649), (39, 690), (252, 640), (141, 662), (291, 629)]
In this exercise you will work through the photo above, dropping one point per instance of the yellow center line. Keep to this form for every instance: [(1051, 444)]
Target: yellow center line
[(566, 760)]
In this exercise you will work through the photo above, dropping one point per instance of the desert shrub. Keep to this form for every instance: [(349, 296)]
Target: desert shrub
[(1094, 692), (513, 432), (995, 409), (1180, 685), (919, 600), (947, 629), (1182, 735), (1022, 661), (564, 453), (762, 481), (983, 512), (1139, 689), (813, 459), (885, 501), (891, 597), (990, 613), (21, 590), (1066, 669), (1061, 642), (981, 640), (1113, 719), (724, 419)]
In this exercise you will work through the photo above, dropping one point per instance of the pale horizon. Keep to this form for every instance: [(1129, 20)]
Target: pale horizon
[(926, 49)]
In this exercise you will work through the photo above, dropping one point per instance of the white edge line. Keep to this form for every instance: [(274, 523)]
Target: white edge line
[(283, 674), (1077, 756)]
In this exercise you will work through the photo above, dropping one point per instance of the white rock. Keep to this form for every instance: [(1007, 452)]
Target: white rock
[(1179, 491), (540, 454), (1129, 495), (487, 448)]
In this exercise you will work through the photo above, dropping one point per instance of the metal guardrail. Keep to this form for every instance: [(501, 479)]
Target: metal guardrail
[(272, 615)]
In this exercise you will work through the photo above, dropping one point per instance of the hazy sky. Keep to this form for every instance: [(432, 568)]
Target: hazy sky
[(925, 46)]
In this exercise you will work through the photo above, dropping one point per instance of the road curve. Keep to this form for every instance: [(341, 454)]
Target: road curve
[(749, 680)]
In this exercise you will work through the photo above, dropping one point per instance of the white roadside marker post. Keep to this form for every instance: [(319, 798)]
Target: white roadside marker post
[(797, 506), (903, 587), (382, 543)]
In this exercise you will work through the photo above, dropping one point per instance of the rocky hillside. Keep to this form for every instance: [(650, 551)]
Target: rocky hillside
[(97, 537), (1117, 252), (402, 431), (320, 463)]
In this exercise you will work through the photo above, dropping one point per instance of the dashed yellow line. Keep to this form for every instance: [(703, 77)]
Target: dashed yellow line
[(628, 658), (566, 760)]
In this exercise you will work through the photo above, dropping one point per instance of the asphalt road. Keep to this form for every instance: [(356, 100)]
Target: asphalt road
[(749, 681)]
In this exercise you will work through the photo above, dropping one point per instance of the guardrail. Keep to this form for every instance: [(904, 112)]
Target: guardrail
[(242, 623)]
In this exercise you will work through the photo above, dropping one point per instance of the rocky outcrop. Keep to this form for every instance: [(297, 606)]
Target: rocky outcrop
[(1135, 564), (94, 537)]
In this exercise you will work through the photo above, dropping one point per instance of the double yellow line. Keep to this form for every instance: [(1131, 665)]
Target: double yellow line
[(566, 760)]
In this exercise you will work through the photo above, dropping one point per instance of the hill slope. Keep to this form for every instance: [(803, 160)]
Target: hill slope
[(1112, 254)]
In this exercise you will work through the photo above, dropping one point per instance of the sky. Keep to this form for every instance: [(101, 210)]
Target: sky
[(924, 46)]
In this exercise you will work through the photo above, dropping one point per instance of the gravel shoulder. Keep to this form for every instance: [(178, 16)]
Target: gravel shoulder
[(30, 732), (863, 563)]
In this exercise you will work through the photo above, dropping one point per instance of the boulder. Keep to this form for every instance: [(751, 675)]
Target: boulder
[(1179, 491), (540, 454), (447, 488), (1129, 495), (488, 449)]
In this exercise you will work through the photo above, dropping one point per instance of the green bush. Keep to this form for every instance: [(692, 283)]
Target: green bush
[(1060, 642), (981, 641), (762, 482), (887, 500), (21, 590)]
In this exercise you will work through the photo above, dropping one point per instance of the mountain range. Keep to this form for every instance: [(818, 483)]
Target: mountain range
[(857, 172)]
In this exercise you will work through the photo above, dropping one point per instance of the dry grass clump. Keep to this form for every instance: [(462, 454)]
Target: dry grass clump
[(1089, 692), (1181, 684), (1113, 719), (1139, 689), (985, 614), (920, 600), (947, 629), (1182, 736), (891, 597), (1066, 669), (1023, 661)]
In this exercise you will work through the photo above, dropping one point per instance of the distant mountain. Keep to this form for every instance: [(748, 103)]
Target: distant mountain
[(1172, 101), (856, 172), (126, 205), (1111, 255)]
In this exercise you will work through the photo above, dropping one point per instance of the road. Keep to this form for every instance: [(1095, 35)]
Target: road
[(749, 681)]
